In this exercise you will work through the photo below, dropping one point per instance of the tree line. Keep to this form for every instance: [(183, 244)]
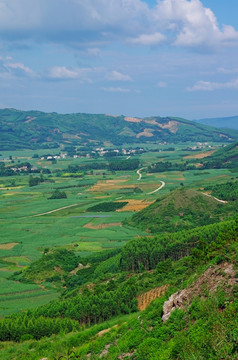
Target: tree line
[(145, 253)]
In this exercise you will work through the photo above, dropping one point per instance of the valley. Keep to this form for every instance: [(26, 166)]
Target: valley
[(81, 229)]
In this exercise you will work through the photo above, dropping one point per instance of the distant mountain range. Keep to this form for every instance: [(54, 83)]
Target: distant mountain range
[(223, 123), (35, 130)]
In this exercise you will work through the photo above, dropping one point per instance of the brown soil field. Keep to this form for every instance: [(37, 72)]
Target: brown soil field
[(29, 119), (101, 226), (171, 125), (109, 185), (135, 205), (144, 133), (145, 299), (132, 119), (115, 116), (8, 246), (199, 156)]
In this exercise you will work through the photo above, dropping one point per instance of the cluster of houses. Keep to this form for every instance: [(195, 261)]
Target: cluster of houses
[(53, 157), (24, 168), (98, 151)]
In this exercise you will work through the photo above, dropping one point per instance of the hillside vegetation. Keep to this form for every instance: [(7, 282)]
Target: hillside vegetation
[(181, 209), (197, 306), (226, 157), (35, 130)]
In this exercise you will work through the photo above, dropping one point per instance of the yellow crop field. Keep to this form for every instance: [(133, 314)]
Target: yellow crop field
[(8, 246), (134, 205)]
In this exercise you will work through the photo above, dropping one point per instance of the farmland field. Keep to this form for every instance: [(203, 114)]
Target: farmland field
[(30, 222)]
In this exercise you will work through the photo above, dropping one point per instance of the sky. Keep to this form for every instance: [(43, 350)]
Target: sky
[(121, 57)]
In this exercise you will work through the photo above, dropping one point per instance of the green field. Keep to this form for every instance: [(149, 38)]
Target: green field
[(30, 222)]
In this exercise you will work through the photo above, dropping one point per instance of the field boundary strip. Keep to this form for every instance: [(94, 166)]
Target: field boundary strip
[(52, 211)]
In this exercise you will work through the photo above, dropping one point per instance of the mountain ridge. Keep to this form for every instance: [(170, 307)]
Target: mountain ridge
[(229, 122), (36, 129)]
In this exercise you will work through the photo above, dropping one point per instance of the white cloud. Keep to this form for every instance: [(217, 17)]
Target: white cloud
[(62, 73), (72, 21), (93, 23), (116, 89), (19, 69), (10, 70), (192, 24), (211, 86), (117, 76), (148, 39)]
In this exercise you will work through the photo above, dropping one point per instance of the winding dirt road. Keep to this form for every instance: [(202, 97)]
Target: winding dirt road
[(152, 192), (139, 173), (221, 201), (159, 188), (52, 211)]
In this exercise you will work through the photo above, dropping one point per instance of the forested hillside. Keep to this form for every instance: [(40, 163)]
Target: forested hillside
[(226, 157), (182, 209), (36, 130), (196, 267)]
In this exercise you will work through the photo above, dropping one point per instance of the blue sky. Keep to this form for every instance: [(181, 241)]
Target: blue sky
[(131, 57)]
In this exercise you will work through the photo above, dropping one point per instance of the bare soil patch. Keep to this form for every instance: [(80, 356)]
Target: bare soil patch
[(135, 205), (102, 332), (105, 185), (101, 226), (199, 156), (29, 119), (145, 133), (8, 246), (171, 125), (132, 119)]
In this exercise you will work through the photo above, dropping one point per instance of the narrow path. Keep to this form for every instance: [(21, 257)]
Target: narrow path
[(52, 211), (221, 201), (159, 188), (139, 173)]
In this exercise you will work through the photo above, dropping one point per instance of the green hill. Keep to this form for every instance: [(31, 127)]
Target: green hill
[(35, 129), (181, 209), (226, 157)]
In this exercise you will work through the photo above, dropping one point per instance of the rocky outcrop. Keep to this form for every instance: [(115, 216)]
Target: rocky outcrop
[(214, 276)]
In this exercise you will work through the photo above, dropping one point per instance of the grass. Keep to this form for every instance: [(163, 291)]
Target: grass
[(21, 301)]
